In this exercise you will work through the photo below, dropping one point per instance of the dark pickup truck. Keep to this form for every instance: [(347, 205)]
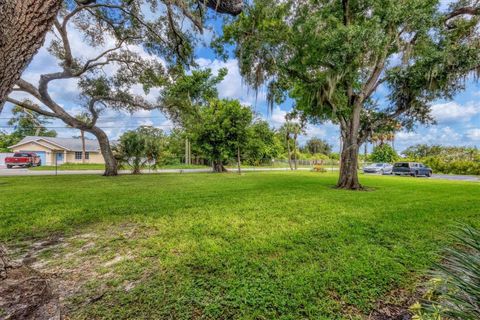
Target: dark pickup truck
[(413, 169), (23, 159)]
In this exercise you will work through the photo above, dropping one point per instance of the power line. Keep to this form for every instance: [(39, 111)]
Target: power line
[(98, 125), (108, 118)]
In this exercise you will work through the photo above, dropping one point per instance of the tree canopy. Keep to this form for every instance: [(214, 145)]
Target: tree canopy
[(331, 57), (140, 148), (135, 43), (221, 130), (383, 153), (24, 26), (25, 123), (317, 145)]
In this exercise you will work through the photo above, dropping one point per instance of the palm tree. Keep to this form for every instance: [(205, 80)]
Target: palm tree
[(291, 130), (296, 130)]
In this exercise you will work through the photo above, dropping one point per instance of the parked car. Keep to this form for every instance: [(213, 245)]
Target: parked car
[(23, 159), (413, 169), (382, 168)]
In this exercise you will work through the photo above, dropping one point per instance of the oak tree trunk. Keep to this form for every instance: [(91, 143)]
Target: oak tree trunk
[(136, 169), (23, 26), (233, 7), (349, 166), (348, 178), (20, 39), (218, 166), (107, 153)]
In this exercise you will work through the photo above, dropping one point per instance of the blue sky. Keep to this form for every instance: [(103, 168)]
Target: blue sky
[(458, 120)]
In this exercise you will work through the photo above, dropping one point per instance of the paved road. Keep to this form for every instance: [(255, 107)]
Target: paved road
[(456, 177), (26, 172)]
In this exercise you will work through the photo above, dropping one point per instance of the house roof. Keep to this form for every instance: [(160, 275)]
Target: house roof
[(69, 144)]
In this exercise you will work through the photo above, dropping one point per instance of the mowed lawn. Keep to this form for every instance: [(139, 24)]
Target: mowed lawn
[(274, 245)]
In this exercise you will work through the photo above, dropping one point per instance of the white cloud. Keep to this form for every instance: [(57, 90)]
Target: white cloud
[(433, 135), (473, 134), (277, 117), (232, 86), (453, 112)]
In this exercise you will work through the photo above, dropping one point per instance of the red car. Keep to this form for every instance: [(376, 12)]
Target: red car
[(23, 159)]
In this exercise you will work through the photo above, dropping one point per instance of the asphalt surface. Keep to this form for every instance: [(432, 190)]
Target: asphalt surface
[(25, 172)]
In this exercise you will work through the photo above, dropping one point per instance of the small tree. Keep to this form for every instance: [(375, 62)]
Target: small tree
[(141, 147), (290, 131), (7, 140), (317, 145), (29, 123), (263, 144), (221, 131), (383, 153), (25, 123), (218, 128)]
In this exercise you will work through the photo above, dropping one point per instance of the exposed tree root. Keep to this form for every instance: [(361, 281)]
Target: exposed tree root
[(27, 294)]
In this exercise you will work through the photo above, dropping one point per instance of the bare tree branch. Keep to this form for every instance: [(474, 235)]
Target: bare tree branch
[(28, 88), (61, 28), (31, 107), (90, 63), (471, 11)]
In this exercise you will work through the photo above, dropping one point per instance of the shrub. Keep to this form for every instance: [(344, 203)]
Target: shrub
[(383, 153), (455, 288), (140, 148), (319, 168), (453, 167)]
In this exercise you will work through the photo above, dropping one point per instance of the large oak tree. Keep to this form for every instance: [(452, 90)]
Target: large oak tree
[(160, 31), (331, 58), (24, 25)]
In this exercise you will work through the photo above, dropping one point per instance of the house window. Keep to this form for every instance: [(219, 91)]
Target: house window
[(78, 155)]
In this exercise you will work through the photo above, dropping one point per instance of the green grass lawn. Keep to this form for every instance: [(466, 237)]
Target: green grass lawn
[(272, 245), (96, 166)]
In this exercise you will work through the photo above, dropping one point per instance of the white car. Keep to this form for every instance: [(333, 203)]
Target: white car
[(382, 168)]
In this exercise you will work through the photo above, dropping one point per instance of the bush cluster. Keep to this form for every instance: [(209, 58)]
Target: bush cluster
[(453, 167)]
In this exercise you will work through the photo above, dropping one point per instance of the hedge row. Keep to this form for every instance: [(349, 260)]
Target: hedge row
[(453, 167)]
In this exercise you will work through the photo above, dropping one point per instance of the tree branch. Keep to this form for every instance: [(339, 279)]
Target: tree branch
[(28, 88), (89, 64), (66, 43), (31, 107), (139, 20), (346, 12), (471, 11)]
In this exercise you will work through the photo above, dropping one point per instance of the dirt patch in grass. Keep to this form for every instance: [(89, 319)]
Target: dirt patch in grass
[(396, 304), (53, 277), (28, 294)]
